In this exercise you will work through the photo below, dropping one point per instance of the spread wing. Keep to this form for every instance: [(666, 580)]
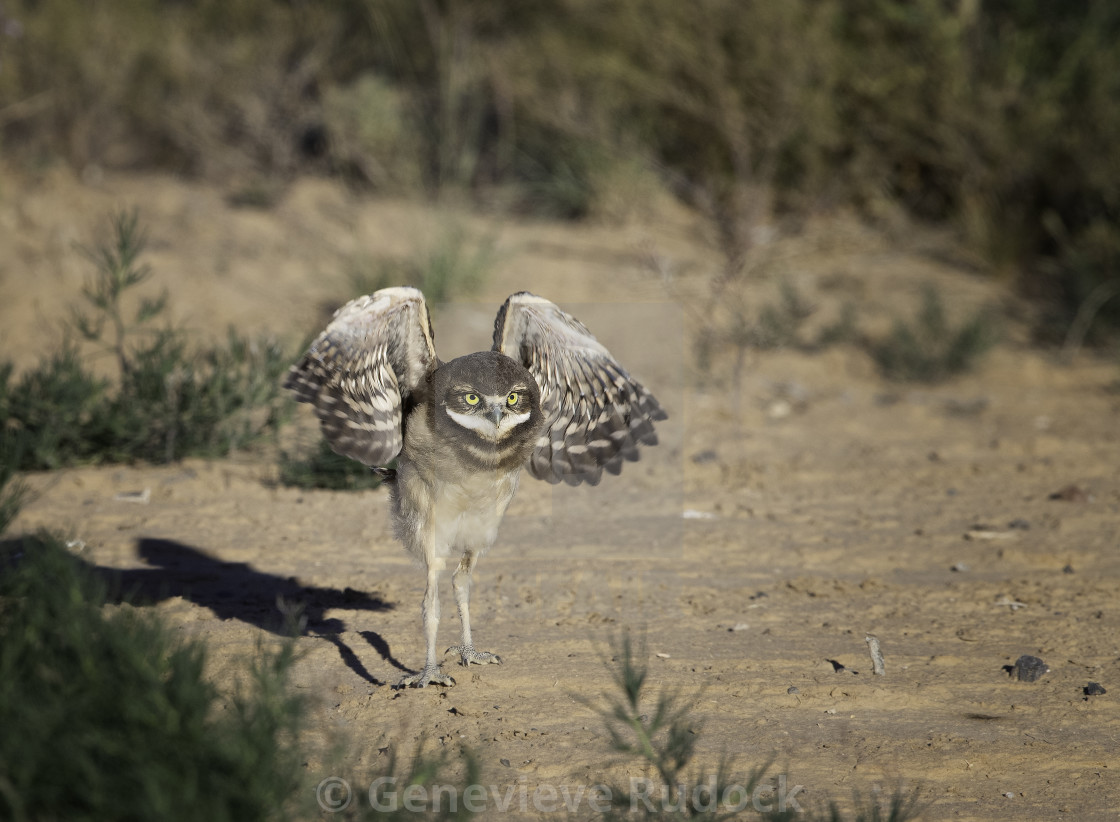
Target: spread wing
[(596, 414), (359, 372)]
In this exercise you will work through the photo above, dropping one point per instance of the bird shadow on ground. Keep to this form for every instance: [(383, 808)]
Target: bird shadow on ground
[(237, 590)]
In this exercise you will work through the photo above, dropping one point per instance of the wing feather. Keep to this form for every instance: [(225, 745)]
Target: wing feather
[(361, 370), (596, 413)]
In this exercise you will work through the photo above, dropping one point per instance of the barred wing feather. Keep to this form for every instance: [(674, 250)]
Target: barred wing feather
[(596, 413), (359, 372)]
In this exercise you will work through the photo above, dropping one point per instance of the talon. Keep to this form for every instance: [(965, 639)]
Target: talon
[(467, 655), (425, 677)]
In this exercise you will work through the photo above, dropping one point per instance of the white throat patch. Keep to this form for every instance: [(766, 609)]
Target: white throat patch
[(485, 426)]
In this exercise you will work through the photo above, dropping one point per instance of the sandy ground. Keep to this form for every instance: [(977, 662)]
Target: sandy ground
[(781, 521)]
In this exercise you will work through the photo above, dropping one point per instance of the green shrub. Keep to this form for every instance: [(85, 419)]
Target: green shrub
[(107, 716), (454, 265), (169, 401), (12, 494), (929, 349)]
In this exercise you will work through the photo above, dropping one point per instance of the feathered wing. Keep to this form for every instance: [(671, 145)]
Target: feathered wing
[(596, 414), (375, 352)]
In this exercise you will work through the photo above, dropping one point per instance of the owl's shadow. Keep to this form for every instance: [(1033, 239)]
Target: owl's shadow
[(236, 590)]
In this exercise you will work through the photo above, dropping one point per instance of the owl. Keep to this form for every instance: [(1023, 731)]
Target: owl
[(547, 398)]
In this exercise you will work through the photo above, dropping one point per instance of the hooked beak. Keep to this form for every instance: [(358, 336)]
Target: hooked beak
[(496, 412)]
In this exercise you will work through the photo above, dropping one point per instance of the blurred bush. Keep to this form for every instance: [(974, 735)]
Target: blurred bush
[(995, 116)]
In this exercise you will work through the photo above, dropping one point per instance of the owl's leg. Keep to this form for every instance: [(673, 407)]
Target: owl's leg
[(430, 610), (461, 582)]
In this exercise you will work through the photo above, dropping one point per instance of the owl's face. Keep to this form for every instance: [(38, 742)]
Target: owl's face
[(489, 395)]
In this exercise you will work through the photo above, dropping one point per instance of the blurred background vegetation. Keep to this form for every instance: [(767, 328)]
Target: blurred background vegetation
[(996, 117)]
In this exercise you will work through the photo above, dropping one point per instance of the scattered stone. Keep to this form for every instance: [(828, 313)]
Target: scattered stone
[(692, 513), (504, 762), (1067, 569), (1071, 493), (739, 626), (988, 532), (1029, 668), (1013, 604), (138, 497), (779, 410), (960, 567), (966, 408), (662, 656), (1019, 524), (1094, 689), (877, 666), (793, 690)]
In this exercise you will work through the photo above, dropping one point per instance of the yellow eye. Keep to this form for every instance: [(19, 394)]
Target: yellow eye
[(472, 399), (512, 398)]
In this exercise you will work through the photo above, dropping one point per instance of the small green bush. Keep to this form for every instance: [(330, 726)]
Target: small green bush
[(929, 349), (170, 400), (12, 493), (663, 737), (454, 265)]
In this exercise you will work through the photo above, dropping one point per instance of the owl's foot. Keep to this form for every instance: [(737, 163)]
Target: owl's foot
[(430, 675), (467, 655)]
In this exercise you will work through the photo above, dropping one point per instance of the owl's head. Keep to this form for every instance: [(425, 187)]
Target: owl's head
[(489, 395)]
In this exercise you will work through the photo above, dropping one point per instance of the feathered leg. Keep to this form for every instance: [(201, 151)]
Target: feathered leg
[(461, 582), (430, 610)]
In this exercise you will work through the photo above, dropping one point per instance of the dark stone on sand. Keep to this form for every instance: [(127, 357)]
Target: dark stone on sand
[(1029, 668)]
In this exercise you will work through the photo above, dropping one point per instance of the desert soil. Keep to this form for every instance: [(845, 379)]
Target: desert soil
[(785, 516)]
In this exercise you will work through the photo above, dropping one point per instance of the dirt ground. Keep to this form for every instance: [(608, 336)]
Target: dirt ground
[(783, 518)]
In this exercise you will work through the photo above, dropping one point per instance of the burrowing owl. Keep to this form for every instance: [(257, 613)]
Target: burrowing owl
[(547, 396)]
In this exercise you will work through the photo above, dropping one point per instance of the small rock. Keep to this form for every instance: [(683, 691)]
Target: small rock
[(779, 410), (702, 457), (1070, 493), (138, 497), (1029, 668), (662, 656), (960, 567), (793, 690), (739, 626), (1009, 795), (504, 762), (978, 532), (692, 513), (1019, 524), (1067, 569), (1094, 689)]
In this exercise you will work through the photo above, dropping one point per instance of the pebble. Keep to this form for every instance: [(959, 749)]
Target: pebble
[(1094, 689), (1029, 668)]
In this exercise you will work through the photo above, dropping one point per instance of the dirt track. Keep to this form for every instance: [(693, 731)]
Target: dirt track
[(775, 527)]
